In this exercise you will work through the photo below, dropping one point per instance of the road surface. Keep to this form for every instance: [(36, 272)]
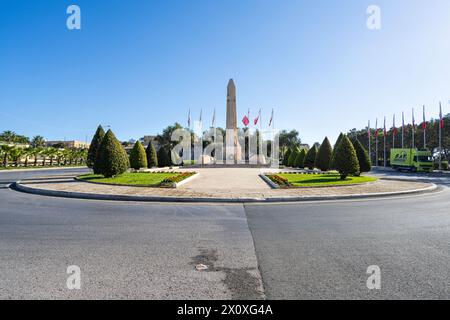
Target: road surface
[(150, 251)]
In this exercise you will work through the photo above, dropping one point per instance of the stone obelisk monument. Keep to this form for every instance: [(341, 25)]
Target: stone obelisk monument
[(233, 149)]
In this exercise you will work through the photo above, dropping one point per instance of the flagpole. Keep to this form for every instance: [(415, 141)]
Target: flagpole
[(413, 129), (394, 131), (385, 163), (424, 127), (368, 135), (440, 135), (403, 129), (376, 142)]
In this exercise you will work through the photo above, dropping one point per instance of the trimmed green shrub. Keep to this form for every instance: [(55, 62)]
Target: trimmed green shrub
[(163, 158), (300, 159), (345, 158), (292, 157), (324, 154), (363, 157), (111, 159), (286, 157), (310, 158), (332, 165), (152, 158), (138, 157), (95, 143)]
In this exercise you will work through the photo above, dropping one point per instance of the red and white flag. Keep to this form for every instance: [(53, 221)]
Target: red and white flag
[(424, 123), (246, 119), (441, 119), (257, 118), (271, 119)]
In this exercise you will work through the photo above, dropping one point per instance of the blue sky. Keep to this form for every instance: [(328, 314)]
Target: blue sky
[(140, 65)]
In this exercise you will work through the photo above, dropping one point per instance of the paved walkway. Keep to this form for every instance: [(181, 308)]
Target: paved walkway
[(227, 180)]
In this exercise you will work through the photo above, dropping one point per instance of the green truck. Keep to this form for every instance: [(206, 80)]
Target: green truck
[(413, 160)]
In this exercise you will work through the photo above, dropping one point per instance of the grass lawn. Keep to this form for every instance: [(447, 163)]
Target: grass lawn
[(322, 180), (145, 179)]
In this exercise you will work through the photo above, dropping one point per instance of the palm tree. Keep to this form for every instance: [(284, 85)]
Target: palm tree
[(27, 152), (36, 152), (38, 141), (6, 151), (16, 155), (51, 154), (8, 136)]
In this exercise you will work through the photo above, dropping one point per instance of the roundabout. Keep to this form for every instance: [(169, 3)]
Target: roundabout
[(309, 250), (234, 185)]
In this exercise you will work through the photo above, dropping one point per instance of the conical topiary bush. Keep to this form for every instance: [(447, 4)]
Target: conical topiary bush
[(300, 159), (363, 157), (163, 158), (345, 158), (310, 158), (111, 159), (324, 154), (93, 147), (152, 158), (138, 157)]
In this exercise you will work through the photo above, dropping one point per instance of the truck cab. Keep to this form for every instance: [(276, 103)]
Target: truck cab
[(413, 160)]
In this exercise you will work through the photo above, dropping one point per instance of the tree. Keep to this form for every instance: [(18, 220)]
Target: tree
[(300, 159), (332, 165), (345, 158), (16, 155), (363, 157), (152, 158), (163, 158), (292, 157), (7, 150), (111, 159), (310, 158), (95, 143), (165, 139), (37, 141), (8, 136), (288, 140), (138, 157), (286, 156), (324, 154)]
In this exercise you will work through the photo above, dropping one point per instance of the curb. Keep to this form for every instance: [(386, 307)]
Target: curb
[(271, 184), (31, 169), (179, 184), (93, 196)]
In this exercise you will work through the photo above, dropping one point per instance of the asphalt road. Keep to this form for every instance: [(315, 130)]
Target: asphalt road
[(303, 251)]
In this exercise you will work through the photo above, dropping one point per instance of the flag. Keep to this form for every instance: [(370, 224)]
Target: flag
[(246, 119), (424, 123), (271, 119), (201, 115), (189, 118), (441, 119), (257, 118), (384, 128), (413, 120), (368, 129), (214, 119)]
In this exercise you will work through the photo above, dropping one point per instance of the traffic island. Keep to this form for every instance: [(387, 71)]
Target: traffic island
[(68, 186)]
